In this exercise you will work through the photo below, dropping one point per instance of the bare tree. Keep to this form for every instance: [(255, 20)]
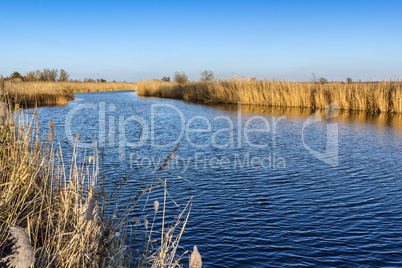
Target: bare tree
[(313, 78), (31, 76), (38, 75), (49, 75), (207, 75), (323, 80), (349, 80), (180, 78), (63, 75)]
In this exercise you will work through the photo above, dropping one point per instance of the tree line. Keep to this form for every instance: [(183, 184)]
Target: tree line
[(207, 75), (48, 75)]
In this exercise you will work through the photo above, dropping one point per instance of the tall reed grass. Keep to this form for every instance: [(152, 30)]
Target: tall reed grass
[(57, 213), (32, 94), (369, 97)]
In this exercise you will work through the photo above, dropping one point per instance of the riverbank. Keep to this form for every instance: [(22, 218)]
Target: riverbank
[(35, 94), (370, 97)]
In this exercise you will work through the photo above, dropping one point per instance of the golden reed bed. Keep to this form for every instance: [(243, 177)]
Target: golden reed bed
[(371, 97), (58, 212), (31, 94)]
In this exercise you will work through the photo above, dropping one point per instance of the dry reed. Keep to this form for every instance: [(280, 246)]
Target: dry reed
[(369, 97), (69, 217), (34, 94)]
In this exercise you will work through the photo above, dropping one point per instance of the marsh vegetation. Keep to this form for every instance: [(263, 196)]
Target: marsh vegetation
[(56, 212), (372, 97), (39, 93)]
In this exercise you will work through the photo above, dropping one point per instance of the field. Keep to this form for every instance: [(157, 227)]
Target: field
[(371, 97), (32, 94)]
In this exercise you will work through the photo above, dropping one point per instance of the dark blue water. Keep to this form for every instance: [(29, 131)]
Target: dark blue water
[(270, 197)]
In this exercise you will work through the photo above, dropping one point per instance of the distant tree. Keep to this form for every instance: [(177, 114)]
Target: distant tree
[(49, 75), (207, 75), (89, 80), (180, 78), (38, 75), (313, 78), (323, 80), (16, 75), (63, 75), (31, 76), (166, 78), (349, 80), (101, 80)]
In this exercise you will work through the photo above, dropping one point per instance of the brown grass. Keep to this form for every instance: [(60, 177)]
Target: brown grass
[(70, 220), (32, 94), (369, 97)]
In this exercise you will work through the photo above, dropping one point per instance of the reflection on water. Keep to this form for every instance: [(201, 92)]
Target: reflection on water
[(380, 120)]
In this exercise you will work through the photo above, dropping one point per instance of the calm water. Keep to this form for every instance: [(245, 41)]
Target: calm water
[(282, 204)]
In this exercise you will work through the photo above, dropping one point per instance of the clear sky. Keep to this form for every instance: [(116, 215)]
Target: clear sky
[(133, 40)]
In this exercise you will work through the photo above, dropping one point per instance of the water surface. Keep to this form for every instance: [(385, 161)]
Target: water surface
[(261, 200)]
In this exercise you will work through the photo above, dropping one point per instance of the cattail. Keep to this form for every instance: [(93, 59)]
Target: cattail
[(36, 119), (156, 205), (22, 253), (3, 112), (89, 212), (29, 134), (195, 259), (51, 131), (146, 222)]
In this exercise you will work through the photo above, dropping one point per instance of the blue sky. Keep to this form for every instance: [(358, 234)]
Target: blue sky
[(133, 40)]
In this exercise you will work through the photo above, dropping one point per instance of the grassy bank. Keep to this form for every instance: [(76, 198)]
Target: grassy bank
[(369, 97), (32, 94), (56, 213)]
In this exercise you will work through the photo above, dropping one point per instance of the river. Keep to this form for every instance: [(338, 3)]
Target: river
[(270, 187)]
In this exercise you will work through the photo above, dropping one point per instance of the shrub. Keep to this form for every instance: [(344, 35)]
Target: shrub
[(16, 75), (180, 78), (63, 76), (207, 76), (323, 80)]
